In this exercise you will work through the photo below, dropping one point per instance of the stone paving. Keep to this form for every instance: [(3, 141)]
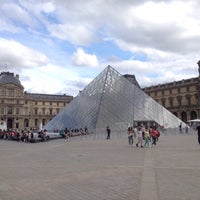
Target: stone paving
[(101, 170)]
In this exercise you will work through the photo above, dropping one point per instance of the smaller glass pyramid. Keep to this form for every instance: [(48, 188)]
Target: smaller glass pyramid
[(111, 100)]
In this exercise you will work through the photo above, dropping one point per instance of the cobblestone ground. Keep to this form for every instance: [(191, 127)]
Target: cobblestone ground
[(100, 169)]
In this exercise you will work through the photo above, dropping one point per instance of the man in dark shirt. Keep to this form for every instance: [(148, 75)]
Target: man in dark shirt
[(108, 132), (198, 132)]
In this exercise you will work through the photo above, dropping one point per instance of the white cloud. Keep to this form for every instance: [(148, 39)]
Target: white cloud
[(15, 14), (15, 54), (81, 58), (74, 33), (50, 79), (165, 33)]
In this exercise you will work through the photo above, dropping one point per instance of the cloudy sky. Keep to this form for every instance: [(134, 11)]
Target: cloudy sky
[(59, 46)]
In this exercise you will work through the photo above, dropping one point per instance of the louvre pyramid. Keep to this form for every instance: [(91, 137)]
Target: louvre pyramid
[(111, 100)]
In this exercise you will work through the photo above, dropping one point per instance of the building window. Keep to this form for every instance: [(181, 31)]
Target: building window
[(2, 111), (35, 102), (26, 123), (43, 122), (17, 111), (171, 101), (11, 93), (163, 102), (188, 97), (9, 110), (43, 103), (36, 111), (179, 98), (36, 122)]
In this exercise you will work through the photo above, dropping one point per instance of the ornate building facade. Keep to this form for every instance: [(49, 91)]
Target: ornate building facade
[(182, 97), (23, 110)]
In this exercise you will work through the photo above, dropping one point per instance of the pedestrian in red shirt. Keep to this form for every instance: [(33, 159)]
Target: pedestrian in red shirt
[(154, 136)]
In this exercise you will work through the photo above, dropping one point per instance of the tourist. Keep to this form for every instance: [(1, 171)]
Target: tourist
[(198, 132), (108, 132), (130, 136), (66, 135), (180, 128), (139, 137), (146, 138), (154, 136)]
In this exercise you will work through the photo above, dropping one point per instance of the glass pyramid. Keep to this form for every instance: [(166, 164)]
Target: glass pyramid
[(111, 100)]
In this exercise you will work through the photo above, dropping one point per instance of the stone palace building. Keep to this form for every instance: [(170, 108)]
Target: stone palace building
[(23, 110), (182, 97)]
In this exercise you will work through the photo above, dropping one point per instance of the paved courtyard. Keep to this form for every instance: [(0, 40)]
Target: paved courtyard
[(100, 170)]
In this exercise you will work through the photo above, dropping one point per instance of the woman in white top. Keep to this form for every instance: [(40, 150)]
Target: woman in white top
[(139, 136)]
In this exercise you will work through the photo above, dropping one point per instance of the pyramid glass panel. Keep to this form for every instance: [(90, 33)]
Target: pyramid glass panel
[(111, 100)]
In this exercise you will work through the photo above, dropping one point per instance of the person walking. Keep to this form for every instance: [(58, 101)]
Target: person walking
[(108, 132), (154, 136), (146, 138), (130, 136), (139, 136), (198, 132)]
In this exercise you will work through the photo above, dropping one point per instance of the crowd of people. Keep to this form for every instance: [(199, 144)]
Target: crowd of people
[(74, 132), (23, 136), (145, 136)]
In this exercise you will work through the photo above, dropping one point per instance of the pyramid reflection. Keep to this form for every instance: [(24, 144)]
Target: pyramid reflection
[(110, 99)]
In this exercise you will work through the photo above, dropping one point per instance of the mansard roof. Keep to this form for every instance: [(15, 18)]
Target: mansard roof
[(7, 77)]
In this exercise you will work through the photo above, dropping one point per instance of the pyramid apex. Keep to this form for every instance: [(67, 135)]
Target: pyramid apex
[(111, 99)]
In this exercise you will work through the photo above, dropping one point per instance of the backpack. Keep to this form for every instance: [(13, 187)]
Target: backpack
[(158, 133)]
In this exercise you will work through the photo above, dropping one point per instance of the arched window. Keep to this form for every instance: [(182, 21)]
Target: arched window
[(43, 122), (36, 122), (26, 123), (184, 116), (193, 115)]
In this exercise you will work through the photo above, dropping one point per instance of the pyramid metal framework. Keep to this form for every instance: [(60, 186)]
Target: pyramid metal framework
[(111, 100)]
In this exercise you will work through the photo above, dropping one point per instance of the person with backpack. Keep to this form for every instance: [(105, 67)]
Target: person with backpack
[(154, 136)]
